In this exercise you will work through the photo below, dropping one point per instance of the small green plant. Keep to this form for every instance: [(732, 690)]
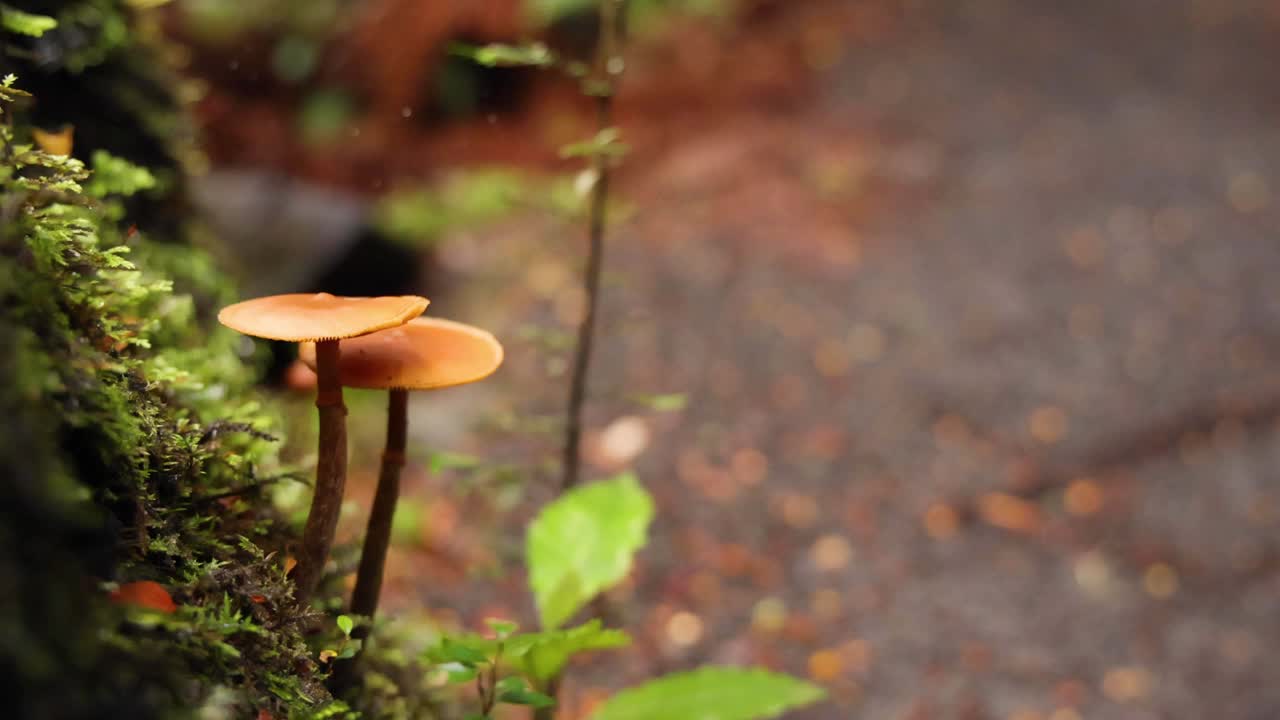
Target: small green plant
[(347, 646), (579, 546)]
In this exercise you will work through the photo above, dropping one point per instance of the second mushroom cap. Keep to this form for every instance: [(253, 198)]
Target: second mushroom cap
[(422, 354)]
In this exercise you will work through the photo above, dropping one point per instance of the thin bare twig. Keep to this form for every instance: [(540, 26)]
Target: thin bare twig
[(601, 84)]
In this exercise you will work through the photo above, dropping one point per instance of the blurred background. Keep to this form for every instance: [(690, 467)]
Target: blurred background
[(946, 334)]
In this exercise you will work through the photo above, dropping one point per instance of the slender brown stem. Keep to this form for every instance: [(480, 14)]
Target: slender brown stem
[(331, 473), (602, 85), (377, 538)]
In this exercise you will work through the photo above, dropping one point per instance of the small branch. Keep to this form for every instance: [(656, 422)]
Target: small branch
[(602, 85)]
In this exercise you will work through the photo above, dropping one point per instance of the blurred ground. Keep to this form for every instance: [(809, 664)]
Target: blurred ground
[(980, 332)]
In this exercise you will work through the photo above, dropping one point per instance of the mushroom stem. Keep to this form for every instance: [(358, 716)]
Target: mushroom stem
[(331, 473), (377, 538)]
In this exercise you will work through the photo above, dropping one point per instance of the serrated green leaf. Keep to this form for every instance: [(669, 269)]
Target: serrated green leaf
[(525, 696), (116, 176), (584, 542), (452, 651), (443, 460), (25, 23), (542, 655), (711, 694)]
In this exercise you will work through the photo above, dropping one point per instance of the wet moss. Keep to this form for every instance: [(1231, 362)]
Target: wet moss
[(134, 446)]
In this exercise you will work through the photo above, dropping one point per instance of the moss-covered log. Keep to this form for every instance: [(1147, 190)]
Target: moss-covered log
[(132, 448)]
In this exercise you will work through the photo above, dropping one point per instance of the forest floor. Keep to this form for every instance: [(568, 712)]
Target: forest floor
[(979, 329)]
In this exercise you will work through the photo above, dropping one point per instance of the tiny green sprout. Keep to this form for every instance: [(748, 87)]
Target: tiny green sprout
[(668, 402), (502, 629), (499, 55), (513, 690), (606, 143), (444, 460), (346, 624), (25, 23)]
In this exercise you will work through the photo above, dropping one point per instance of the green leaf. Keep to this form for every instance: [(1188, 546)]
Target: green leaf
[(712, 693), (526, 697), (116, 176), (542, 655), (501, 628), (669, 402), (25, 23), (459, 673), (345, 624), (584, 543), (498, 55), (451, 651), (514, 690), (443, 460), (511, 682), (607, 142)]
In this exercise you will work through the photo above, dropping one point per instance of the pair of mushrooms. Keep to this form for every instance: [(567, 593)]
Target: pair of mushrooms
[(376, 343)]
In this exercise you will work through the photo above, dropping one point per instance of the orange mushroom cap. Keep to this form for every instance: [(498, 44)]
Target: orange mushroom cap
[(423, 354), (307, 317)]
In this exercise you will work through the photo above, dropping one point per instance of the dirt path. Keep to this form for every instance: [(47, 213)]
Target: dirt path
[(981, 347)]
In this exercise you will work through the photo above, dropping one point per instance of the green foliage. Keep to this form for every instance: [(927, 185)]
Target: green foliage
[(711, 693), (499, 55), (469, 658), (644, 14), (223, 20), (324, 114), (464, 200), (607, 144), (142, 455), (667, 402), (543, 655), (116, 176), (25, 23), (584, 542)]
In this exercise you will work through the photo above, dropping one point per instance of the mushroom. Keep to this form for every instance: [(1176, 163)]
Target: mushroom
[(423, 354), (324, 320)]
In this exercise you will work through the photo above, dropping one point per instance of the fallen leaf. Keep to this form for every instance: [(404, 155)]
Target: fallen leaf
[(145, 593)]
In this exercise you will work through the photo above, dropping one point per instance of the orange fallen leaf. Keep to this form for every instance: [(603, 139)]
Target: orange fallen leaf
[(1009, 512), (327, 655), (55, 142), (145, 593), (258, 599)]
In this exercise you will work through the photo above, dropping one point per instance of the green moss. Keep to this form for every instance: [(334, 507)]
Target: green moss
[(135, 447)]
